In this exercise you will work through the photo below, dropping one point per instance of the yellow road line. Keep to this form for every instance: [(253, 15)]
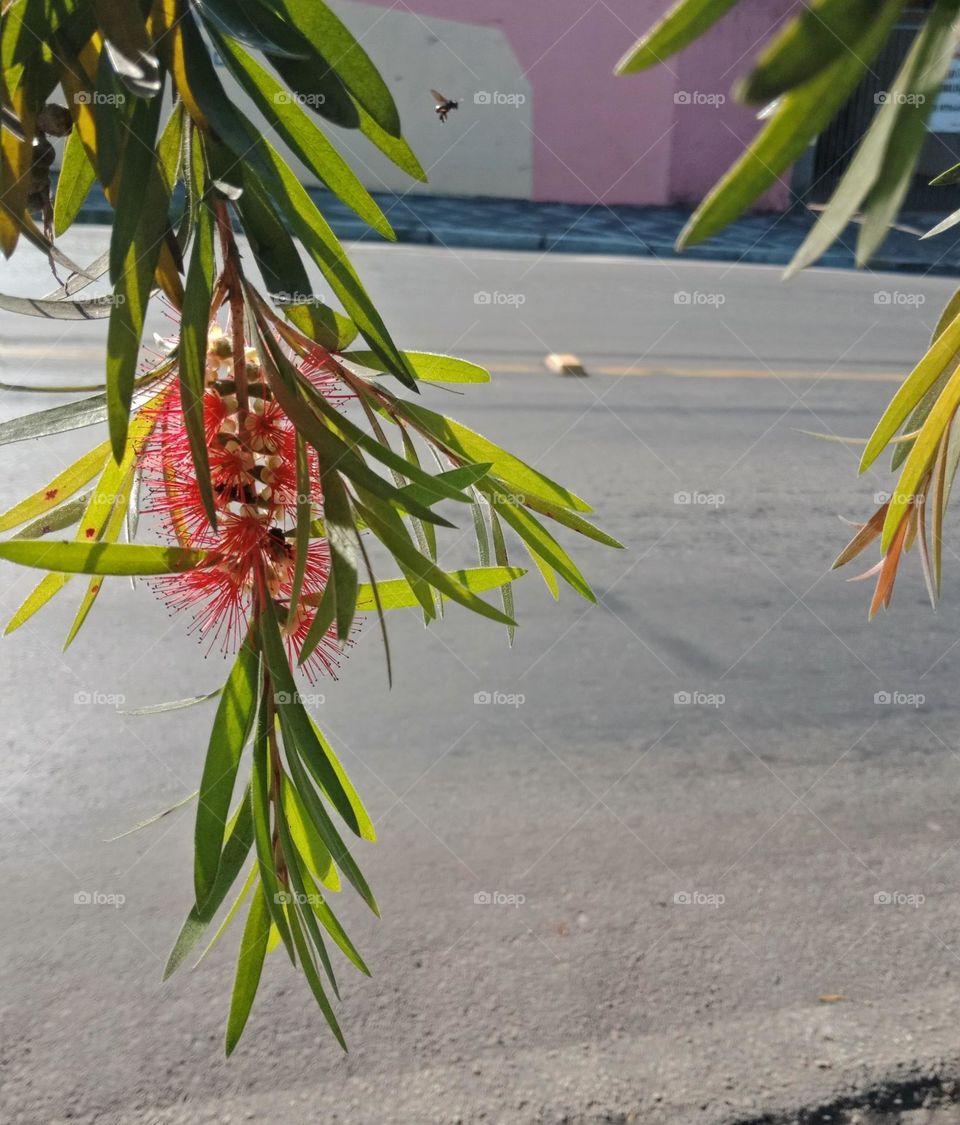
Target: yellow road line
[(95, 351), (672, 371)]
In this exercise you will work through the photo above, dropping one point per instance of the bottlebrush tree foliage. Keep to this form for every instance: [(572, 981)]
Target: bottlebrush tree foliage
[(803, 77), (263, 446)]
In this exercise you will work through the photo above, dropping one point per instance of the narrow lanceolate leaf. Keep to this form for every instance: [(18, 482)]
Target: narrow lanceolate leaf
[(260, 798), (686, 21), (155, 818), (253, 949), (239, 841), (500, 555), (95, 309), (921, 456), (942, 355), (56, 420), (330, 37), (111, 533), (466, 443), (302, 136), (313, 851), (320, 819), (128, 46), (821, 32), (231, 728), (250, 147), (255, 24), (63, 485), (313, 978), (921, 75), (415, 563), (77, 176), (172, 705), (542, 545), (799, 117), (297, 728), (56, 519), (341, 538), (195, 324), (139, 228), (396, 593), (101, 558), (430, 367)]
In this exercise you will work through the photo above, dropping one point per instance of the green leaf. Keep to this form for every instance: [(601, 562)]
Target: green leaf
[(128, 46), (921, 75), (320, 819), (799, 117), (138, 232), (428, 366), (254, 24), (541, 543), (228, 737), (686, 21), (304, 139), (330, 37), (500, 554), (397, 594), (153, 819), (68, 557), (63, 485), (76, 178), (331, 924), (260, 794), (312, 850), (822, 31), (194, 330), (56, 420), (173, 705), (110, 534), (921, 455), (57, 519), (313, 979), (341, 539), (298, 731), (253, 949), (394, 149), (235, 852), (251, 148), (942, 354), (418, 564), (465, 443)]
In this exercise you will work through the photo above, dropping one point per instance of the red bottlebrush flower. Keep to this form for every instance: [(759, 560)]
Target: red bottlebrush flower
[(253, 471)]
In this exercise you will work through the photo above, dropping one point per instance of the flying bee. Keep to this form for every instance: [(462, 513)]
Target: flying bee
[(443, 105)]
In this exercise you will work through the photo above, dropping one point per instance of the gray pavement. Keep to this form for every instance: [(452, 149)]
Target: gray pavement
[(780, 812)]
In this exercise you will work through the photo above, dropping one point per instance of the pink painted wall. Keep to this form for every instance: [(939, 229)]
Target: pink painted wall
[(624, 140)]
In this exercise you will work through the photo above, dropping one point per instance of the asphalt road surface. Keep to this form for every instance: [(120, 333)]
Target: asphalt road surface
[(684, 881)]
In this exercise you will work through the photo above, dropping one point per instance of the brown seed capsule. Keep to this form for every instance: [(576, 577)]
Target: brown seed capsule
[(55, 120), (44, 153)]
